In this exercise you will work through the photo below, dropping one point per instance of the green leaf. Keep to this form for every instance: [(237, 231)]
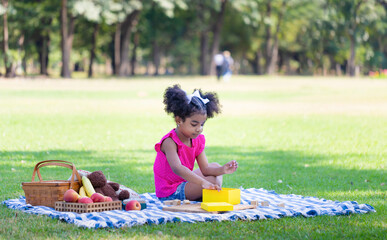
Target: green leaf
[(88, 9), (2, 9)]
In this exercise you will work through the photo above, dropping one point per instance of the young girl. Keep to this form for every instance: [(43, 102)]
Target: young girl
[(177, 150)]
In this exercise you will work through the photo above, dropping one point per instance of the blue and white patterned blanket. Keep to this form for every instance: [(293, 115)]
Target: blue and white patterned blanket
[(295, 205)]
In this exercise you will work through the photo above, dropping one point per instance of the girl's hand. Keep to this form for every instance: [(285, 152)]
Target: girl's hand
[(211, 186), (230, 167)]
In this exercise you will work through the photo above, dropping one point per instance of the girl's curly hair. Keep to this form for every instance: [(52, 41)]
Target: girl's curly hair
[(176, 102)]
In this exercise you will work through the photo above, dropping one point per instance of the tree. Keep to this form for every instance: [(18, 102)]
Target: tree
[(271, 49), (32, 24), (354, 16), (91, 11), (67, 35), (159, 30), (308, 37), (211, 15), (9, 70), (375, 48), (182, 36), (244, 25), (124, 16), (126, 31)]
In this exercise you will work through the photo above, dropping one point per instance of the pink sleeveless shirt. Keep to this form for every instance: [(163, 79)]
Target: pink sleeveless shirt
[(166, 181)]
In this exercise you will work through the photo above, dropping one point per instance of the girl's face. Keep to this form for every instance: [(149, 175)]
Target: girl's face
[(192, 126)]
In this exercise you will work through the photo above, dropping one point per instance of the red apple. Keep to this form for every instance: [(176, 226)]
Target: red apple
[(108, 199), (133, 205), (97, 197), (85, 200), (71, 196)]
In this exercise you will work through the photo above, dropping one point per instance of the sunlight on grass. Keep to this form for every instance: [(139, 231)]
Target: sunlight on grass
[(307, 136)]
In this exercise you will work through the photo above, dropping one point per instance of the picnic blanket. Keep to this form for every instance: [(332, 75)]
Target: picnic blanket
[(295, 205)]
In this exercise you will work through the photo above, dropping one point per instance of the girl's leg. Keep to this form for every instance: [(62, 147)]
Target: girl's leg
[(194, 191)]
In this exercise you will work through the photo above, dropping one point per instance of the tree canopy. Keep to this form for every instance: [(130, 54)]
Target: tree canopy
[(129, 37)]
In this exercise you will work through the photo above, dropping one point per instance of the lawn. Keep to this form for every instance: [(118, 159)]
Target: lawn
[(323, 137)]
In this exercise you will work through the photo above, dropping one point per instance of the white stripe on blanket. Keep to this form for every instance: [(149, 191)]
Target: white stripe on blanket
[(295, 205)]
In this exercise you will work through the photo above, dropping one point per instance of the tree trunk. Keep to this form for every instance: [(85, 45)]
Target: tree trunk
[(42, 45), (256, 63), (351, 62), (352, 38), (147, 68), (288, 68), (133, 60), (108, 65), (126, 30), (203, 53), (24, 59), (46, 46), (272, 47), (242, 64), (270, 70), (20, 66), (203, 31), (65, 72), (333, 65), (43, 55), (125, 40), (156, 57), (9, 72), (67, 33), (338, 69), (70, 36), (117, 49), (92, 50), (268, 36), (324, 67), (42, 41), (216, 30)]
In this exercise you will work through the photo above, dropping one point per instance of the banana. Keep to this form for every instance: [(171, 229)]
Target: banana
[(89, 189), (82, 192)]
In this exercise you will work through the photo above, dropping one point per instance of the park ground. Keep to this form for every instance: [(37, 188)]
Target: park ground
[(312, 136)]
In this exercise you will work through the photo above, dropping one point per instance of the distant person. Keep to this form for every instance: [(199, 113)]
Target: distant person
[(219, 59), (184, 145), (227, 65)]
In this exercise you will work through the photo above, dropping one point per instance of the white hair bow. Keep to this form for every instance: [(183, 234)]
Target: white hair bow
[(197, 94)]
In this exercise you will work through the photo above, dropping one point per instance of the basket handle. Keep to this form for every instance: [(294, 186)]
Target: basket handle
[(61, 163)]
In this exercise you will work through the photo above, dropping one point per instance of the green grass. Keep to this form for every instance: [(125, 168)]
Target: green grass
[(322, 137)]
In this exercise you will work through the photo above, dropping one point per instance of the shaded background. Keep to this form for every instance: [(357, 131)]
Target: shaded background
[(99, 38)]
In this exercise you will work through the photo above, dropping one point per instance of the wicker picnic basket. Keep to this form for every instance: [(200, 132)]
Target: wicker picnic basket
[(46, 193)]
